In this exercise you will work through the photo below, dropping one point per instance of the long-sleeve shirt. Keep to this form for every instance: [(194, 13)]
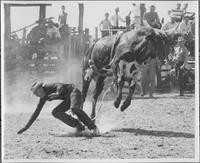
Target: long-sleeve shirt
[(53, 91), (105, 24), (114, 18), (181, 54), (63, 18), (168, 26), (184, 28), (61, 89), (151, 17)]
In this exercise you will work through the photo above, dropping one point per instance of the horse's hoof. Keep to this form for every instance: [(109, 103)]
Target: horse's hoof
[(117, 103), (124, 106)]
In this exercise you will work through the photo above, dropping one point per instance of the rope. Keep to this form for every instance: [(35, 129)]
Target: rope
[(106, 91)]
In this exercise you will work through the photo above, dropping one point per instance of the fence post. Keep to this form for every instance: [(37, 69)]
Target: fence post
[(7, 23), (96, 33), (86, 39), (24, 36), (69, 42)]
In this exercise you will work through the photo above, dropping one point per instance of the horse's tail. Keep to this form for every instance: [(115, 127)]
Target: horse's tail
[(87, 57)]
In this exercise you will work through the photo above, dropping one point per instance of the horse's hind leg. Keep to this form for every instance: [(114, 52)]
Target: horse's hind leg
[(97, 91), (127, 101), (120, 84), (85, 87)]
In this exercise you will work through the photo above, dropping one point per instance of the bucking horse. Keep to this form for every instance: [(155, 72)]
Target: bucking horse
[(121, 56)]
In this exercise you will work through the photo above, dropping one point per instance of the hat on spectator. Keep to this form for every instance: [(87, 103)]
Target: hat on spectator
[(106, 13), (186, 16), (117, 9), (36, 86), (172, 15)]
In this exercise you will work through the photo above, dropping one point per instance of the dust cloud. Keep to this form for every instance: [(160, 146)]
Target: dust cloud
[(17, 84)]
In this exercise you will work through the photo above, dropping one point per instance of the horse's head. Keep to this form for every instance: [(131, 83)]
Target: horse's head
[(163, 42)]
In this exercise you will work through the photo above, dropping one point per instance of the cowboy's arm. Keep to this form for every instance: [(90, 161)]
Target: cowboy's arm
[(56, 94), (34, 116)]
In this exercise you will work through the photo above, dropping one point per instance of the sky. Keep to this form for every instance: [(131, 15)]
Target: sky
[(93, 11)]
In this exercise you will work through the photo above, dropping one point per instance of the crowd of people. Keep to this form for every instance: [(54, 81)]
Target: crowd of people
[(139, 16), (47, 31)]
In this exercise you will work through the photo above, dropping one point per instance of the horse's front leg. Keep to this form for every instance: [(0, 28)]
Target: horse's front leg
[(120, 85), (127, 102), (97, 91)]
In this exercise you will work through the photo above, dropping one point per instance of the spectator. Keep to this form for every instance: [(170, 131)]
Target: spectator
[(35, 39), (152, 18), (63, 22), (171, 24), (105, 25), (184, 26), (180, 58), (136, 16), (37, 33), (178, 13), (53, 33), (115, 20), (63, 16), (148, 78), (184, 9), (178, 7)]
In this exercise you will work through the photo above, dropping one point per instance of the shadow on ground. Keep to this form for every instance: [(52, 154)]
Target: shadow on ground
[(155, 133), (186, 96)]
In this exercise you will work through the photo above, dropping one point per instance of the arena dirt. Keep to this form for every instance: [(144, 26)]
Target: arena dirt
[(163, 127)]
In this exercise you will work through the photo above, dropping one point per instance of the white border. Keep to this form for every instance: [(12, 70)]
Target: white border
[(196, 159)]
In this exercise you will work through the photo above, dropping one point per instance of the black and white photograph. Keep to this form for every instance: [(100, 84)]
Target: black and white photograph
[(99, 81)]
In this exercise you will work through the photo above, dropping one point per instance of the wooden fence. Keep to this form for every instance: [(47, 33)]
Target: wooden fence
[(165, 72)]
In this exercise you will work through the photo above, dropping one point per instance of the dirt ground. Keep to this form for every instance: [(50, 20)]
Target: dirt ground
[(163, 127)]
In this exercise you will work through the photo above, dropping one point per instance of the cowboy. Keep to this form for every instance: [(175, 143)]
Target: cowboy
[(71, 100), (180, 59)]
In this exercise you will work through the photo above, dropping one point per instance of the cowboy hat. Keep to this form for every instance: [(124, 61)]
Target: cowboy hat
[(181, 39), (36, 86), (172, 15), (117, 9)]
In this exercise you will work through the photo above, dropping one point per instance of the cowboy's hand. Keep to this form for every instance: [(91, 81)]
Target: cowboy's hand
[(52, 96), (22, 130)]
